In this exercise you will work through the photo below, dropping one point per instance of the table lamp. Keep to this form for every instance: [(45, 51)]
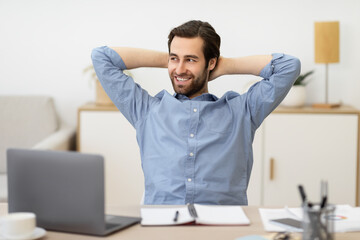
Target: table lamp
[(326, 51)]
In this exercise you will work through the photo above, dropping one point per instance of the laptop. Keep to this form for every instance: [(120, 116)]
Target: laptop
[(64, 189)]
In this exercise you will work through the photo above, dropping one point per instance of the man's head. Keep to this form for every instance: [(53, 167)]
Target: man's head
[(194, 49)]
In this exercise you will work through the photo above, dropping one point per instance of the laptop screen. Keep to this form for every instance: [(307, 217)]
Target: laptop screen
[(64, 189)]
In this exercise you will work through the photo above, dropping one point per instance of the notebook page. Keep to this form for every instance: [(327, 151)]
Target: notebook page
[(165, 216), (221, 215)]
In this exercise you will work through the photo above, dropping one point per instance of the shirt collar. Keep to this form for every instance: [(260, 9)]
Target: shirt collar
[(203, 97)]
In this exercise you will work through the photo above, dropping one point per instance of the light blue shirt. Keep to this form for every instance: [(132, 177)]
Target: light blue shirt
[(198, 150)]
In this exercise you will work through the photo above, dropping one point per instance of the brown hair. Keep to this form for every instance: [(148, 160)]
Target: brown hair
[(194, 28)]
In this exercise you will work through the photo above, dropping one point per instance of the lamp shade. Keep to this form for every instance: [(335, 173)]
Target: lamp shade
[(327, 42)]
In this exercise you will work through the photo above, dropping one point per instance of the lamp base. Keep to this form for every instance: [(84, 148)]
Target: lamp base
[(326, 105)]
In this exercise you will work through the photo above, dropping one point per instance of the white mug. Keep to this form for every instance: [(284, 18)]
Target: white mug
[(20, 225)]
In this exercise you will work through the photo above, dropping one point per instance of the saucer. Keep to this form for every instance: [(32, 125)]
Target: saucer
[(37, 233)]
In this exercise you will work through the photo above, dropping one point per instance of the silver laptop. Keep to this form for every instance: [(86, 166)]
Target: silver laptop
[(64, 189)]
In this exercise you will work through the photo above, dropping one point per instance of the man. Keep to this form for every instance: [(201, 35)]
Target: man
[(195, 147)]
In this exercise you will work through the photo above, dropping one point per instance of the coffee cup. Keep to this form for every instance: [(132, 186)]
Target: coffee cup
[(20, 225)]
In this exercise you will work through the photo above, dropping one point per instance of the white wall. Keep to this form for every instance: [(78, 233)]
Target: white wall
[(46, 44)]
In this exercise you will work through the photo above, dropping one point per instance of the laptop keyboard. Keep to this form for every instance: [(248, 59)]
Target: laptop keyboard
[(111, 225)]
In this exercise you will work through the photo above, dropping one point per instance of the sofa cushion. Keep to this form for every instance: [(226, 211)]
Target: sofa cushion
[(3, 188), (25, 121)]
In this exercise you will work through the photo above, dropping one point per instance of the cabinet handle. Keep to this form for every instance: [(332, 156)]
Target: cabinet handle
[(272, 162)]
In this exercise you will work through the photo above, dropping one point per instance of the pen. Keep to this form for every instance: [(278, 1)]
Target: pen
[(302, 193), (324, 193), (176, 216), (192, 210), (323, 202)]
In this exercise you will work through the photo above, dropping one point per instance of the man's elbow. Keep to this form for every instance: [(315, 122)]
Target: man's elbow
[(297, 66), (293, 67), (97, 53)]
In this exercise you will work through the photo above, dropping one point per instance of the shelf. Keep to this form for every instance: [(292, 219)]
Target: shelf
[(344, 109)]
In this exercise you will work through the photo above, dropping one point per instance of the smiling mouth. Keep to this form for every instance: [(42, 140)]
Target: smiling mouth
[(182, 79)]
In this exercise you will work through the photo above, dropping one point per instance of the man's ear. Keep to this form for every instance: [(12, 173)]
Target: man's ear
[(212, 64)]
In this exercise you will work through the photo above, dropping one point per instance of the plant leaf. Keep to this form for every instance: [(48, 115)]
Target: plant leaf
[(301, 78)]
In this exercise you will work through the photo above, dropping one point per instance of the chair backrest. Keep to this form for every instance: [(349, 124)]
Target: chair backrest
[(24, 121)]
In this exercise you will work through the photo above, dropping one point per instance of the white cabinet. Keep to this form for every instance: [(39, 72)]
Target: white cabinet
[(305, 146), (293, 146), (104, 130)]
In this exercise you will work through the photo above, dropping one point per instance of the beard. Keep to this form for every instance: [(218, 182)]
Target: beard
[(197, 86)]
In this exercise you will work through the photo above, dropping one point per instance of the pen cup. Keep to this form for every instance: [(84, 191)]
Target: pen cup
[(318, 223)]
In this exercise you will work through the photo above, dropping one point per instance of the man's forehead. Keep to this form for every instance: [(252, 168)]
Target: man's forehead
[(187, 46)]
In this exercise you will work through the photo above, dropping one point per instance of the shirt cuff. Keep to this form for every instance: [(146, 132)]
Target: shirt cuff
[(268, 70)]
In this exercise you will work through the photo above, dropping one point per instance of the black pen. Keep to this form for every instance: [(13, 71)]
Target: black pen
[(324, 194), (302, 194), (176, 216), (323, 202), (192, 210)]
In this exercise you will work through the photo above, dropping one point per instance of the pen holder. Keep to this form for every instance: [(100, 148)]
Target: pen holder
[(317, 223)]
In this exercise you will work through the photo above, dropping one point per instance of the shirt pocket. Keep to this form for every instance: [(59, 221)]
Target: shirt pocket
[(218, 119)]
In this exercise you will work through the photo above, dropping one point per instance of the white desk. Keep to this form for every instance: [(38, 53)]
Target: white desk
[(180, 232)]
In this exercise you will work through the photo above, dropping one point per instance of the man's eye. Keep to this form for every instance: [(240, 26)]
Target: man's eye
[(191, 60), (173, 58)]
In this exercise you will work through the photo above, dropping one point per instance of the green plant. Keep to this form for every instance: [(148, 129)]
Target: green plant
[(90, 71), (300, 80)]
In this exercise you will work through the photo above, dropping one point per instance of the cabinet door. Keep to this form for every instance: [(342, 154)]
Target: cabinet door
[(305, 149), (108, 133)]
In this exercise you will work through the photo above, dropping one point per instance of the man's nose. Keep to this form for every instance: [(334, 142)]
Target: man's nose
[(180, 68)]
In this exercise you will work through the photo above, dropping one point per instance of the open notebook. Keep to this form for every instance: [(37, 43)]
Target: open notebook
[(196, 214)]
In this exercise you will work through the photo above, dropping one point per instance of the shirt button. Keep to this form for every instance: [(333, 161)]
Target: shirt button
[(192, 135), (195, 109), (191, 154), (189, 179)]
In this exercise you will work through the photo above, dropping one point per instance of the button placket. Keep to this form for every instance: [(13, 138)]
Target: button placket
[(190, 161)]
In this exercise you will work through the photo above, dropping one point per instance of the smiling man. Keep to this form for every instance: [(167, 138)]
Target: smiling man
[(195, 147), (188, 68)]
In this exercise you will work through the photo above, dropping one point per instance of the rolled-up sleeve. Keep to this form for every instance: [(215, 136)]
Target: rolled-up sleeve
[(132, 101), (278, 77)]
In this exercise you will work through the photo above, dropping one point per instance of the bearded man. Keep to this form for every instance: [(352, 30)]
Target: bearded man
[(195, 147)]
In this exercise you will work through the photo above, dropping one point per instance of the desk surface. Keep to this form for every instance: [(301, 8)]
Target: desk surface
[(180, 232)]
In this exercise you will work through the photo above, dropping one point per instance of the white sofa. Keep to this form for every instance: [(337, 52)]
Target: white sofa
[(30, 122)]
